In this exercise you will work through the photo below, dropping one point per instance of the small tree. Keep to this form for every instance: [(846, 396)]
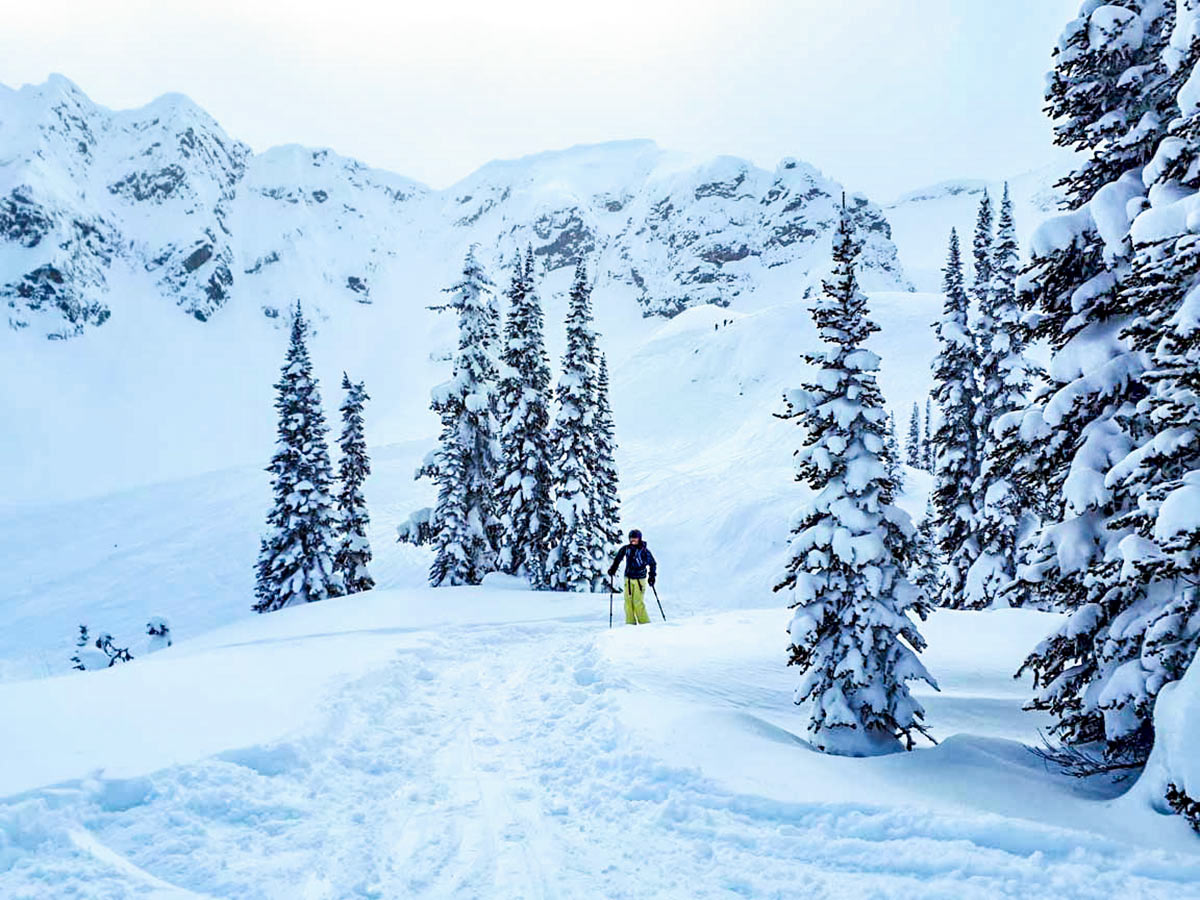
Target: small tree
[(927, 444), (954, 442), (295, 563), (893, 455), (607, 503), (851, 632), (913, 449), (354, 550)]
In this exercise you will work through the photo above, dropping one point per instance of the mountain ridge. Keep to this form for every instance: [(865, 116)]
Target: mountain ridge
[(164, 191)]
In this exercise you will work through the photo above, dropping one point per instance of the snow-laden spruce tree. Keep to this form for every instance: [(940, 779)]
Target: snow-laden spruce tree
[(1005, 501), (1150, 617), (981, 250), (852, 634), (467, 459), (926, 566), (607, 502), (955, 460), (913, 448), (894, 460), (576, 561), (1112, 96), (927, 444), (295, 562), (353, 550), (524, 499)]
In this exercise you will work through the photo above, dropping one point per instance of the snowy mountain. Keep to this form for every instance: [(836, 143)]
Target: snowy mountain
[(165, 193), (921, 219)]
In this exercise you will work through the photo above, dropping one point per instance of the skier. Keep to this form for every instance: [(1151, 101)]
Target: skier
[(638, 561)]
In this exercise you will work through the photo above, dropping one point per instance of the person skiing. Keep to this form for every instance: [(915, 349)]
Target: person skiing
[(639, 562)]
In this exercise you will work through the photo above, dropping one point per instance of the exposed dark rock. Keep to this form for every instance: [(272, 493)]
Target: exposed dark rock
[(198, 257), (359, 286), (22, 220), (149, 185)]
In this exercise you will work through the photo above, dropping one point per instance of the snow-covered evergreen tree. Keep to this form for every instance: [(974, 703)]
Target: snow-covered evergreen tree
[(607, 503), (1003, 497), (354, 550), (295, 563), (892, 446), (927, 444), (981, 250), (954, 442), (466, 462), (926, 566), (576, 561), (524, 500), (1112, 95), (851, 630), (914, 438)]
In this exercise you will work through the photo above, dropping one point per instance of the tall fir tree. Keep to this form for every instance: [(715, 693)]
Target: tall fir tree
[(927, 443), (955, 460), (524, 498), (1003, 495), (851, 632), (576, 561), (1112, 97), (981, 250), (354, 550), (913, 448), (467, 458), (295, 561), (607, 503)]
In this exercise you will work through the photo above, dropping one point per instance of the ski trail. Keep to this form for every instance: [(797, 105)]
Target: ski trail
[(491, 761)]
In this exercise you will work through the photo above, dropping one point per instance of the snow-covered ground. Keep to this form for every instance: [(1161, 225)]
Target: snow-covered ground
[(490, 742)]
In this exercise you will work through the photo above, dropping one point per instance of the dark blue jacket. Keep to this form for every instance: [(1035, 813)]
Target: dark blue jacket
[(637, 561)]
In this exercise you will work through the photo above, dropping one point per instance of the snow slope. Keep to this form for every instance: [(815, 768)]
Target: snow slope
[(482, 742), (705, 467), (921, 220)]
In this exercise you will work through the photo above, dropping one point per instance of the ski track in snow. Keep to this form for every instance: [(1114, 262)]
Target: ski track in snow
[(489, 761)]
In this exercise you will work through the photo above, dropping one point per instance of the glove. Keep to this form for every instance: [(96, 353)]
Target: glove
[(612, 572), (652, 578)]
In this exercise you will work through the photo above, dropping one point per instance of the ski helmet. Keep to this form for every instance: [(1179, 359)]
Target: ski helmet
[(635, 534)]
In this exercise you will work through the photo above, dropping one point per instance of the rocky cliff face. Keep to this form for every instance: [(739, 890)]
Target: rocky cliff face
[(161, 200)]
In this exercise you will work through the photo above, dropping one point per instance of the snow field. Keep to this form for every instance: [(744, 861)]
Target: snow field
[(507, 745)]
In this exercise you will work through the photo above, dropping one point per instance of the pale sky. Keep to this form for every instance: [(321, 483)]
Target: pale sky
[(882, 95)]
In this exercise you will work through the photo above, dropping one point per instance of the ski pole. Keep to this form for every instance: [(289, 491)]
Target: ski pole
[(611, 591), (660, 609)]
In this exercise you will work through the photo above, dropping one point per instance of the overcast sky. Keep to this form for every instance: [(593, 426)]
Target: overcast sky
[(883, 95)]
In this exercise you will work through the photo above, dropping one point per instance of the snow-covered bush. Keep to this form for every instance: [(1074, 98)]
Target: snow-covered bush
[(159, 631), (100, 653)]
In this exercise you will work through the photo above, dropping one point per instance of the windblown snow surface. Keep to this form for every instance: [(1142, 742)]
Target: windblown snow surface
[(484, 742)]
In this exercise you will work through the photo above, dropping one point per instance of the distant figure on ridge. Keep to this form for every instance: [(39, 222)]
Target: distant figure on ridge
[(638, 562)]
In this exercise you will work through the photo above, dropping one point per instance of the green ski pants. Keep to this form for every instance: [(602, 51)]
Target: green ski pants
[(635, 606)]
